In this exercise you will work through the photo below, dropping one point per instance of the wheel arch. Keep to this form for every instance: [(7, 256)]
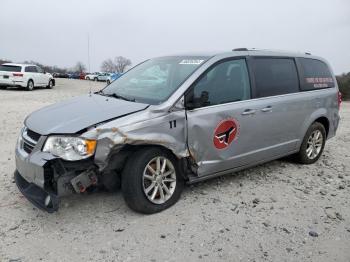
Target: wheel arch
[(119, 156), (325, 122), (319, 114)]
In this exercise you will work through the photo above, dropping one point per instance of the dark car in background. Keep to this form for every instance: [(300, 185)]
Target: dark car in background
[(60, 75)]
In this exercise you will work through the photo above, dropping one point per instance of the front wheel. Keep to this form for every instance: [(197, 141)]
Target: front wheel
[(313, 144), (151, 181), (50, 85), (95, 79), (108, 82)]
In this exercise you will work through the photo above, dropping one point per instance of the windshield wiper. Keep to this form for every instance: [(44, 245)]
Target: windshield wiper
[(115, 95)]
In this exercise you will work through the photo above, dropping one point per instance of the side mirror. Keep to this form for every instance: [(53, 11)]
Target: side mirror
[(188, 101), (190, 106)]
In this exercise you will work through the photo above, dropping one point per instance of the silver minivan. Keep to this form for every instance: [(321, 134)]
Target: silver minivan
[(175, 120)]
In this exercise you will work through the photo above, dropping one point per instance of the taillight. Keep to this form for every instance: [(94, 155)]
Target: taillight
[(17, 74), (339, 99)]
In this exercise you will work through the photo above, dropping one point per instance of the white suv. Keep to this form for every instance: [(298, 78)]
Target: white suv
[(27, 76), (98, 76)]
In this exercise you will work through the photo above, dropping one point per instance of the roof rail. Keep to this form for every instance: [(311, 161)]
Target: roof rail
[(240, 49), (307, 53)]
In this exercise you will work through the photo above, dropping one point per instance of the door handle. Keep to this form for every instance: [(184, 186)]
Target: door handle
[(266, 109), (248, 112)]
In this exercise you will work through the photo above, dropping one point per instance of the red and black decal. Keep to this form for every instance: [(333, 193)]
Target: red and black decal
[(225, 132)]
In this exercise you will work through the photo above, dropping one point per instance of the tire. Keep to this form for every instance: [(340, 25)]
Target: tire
[(111, 181), (313, 144), (50, 85), (95, 79), (108, 82), (135, 184), (88, 78), (30, 85)]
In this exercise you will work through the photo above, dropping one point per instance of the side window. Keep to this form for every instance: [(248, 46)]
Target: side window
[(224, 83), (29, 69), (39, 70), (275, 76), (316, 74)]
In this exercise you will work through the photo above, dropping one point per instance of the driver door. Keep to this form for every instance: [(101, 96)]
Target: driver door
[(221, 121)]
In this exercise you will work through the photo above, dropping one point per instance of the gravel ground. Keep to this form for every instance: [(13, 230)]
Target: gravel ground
[(279, 211)]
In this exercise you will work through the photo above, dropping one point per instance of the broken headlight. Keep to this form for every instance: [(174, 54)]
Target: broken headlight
[(70, 148)]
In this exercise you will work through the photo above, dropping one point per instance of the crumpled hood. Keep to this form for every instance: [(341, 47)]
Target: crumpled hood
[(75, 114)]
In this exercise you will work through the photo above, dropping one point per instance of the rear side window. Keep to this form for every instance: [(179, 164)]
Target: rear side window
[(10, 68), (316, 74), (39, 70), (31, 69), (275, 76)]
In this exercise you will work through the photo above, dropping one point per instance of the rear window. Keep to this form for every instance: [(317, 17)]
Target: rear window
[(316, 74), (10, 68), (275, 76)]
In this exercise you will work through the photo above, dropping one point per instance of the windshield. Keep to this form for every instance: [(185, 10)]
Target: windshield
[(154, 80)]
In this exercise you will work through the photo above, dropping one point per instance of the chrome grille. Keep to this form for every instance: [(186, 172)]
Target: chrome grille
[(33, 135), (29, 140), (28, 148)]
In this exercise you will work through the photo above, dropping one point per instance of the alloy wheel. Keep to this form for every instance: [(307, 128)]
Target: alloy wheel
[(159, 180), (314, 144), (30, 85)]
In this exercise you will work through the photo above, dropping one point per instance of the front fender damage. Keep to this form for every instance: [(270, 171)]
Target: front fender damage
[(112, 140)]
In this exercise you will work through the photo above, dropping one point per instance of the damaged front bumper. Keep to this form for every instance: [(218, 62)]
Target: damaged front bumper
[(37, 196), (30, 180), (43, 179)]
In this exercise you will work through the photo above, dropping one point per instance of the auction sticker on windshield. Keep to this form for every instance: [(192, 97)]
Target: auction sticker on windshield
[(191, 62)]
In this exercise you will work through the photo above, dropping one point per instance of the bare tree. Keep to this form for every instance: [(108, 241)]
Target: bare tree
[(80, 67), (118, 64), (121, 63), (108, 66)]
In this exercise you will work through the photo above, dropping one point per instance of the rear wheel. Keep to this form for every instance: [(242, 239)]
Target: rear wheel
[(30, 85), (108, 81), (151, 181), (313, 144)]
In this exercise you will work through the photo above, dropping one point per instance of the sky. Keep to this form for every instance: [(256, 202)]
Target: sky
[(56, 32)]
